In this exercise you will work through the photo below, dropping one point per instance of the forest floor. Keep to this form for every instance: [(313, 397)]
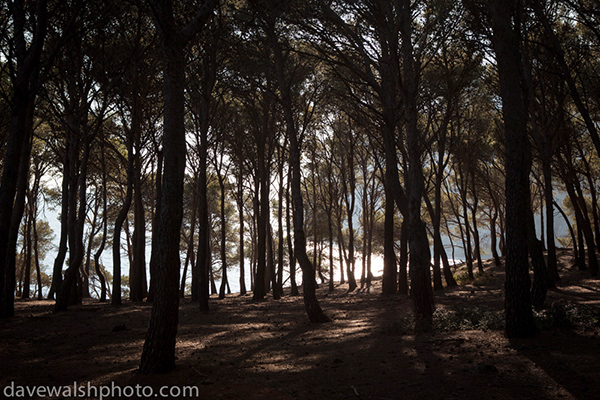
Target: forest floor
[(268, 350)]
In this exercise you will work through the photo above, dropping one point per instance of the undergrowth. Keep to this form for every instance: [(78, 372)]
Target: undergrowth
[(565, 314), (561, 314)]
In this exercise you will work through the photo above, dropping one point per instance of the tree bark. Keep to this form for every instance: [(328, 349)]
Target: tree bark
[(116, 250), (506, 42), (390, 268), (158, 354), (24, 90), (420, 257), (311, 304)]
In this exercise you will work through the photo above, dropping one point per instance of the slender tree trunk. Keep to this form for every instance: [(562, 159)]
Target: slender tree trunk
[(390, 268), (571, 231), (100, 250), (311, 304), (189, 257), (240, 195), (475, 228), (26, 291), (139, 286), (467, 228), (88, 252), (154, 252), (540, 272), (280, 261), (116, 250), (494, 237), (38, 269), (202, 294), (553, 275), (223, 239), (350, 209), (260, 289), (288, 224), (403, 259), (64, 229)]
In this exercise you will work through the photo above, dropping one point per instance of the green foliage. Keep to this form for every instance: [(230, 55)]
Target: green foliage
[(561, 314), (464, 318), (399, 327), (462, 277), (564, 314)]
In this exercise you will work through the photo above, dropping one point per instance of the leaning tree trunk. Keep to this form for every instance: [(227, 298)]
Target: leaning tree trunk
[(104, 231), (116, 250), (311, 304), (64, 229)]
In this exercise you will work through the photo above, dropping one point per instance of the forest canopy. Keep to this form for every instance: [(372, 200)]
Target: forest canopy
[(294, 143)]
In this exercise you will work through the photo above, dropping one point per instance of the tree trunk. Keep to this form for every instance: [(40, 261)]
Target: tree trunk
[(571, 231), (390, 268), (475, 229), (153, 253), (64, 229), (280, 262), (203, 266), (139, 285), (223, 237), (420, 257), (506, 42), (350, 209), (311, 304), (189, 257), (158, 354), (26, 60), (26, 291), (553, 275), (403, 259), (288, 224), (69, 292), (104, 231), (260, 289), (116, 250), (240, 196)]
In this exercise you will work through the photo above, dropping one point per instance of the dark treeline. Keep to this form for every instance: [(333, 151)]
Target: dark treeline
[(310, 134)]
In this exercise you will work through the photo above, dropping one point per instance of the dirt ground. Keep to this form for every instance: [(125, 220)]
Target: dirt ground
[(268, 350)]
